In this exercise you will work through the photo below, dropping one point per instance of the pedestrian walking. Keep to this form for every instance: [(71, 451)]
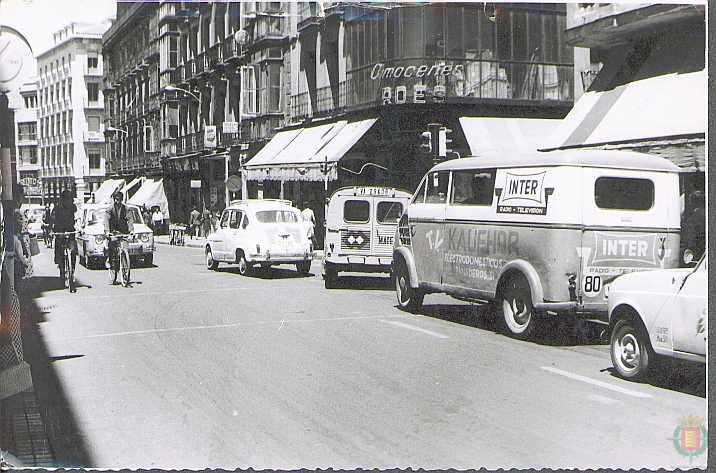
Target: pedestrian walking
[(214, 220), (309, 219), (205, 222), (23, 258), (157, 220), (194, 217)]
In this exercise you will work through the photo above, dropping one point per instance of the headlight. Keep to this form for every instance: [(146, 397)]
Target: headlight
[(144, 237), (99, 239), (688, 256)]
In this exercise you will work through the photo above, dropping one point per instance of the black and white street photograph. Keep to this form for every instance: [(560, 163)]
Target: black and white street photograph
[(353, 235)]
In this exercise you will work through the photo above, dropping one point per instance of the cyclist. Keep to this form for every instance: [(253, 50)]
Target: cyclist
[(115, 221), (47, 226), (63, 220)]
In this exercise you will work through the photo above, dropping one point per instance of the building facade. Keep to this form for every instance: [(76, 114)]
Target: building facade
[(133, 63), (70, 111), (26, 153), (224, 79)]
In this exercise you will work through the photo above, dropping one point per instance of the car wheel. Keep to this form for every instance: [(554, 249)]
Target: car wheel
[(211, 263), (149, 260), (304, 267), (244, 266), (330, 277), (630, 350), (517, 311), (409, 299)]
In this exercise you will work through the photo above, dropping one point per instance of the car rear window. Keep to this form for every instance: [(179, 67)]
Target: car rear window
[(389, 212), (356, 211), (276, 216), (623, 193)]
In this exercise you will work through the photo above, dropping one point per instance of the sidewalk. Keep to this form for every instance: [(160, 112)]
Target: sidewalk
[(201, 243)]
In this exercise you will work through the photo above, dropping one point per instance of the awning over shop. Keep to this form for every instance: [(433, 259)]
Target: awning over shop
[(104, 192), (487, 135), (669, 106), (132, 187), (300, 156), (151, 194)]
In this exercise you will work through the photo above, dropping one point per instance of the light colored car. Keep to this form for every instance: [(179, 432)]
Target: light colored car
[(658, 313), (35, 215), (91, 240), (262, 232)]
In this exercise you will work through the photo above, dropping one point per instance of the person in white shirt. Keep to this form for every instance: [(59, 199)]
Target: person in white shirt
[(310, 220)]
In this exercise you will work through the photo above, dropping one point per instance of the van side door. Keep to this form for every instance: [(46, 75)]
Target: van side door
[(471, 260), (217, 239), (426, 220)]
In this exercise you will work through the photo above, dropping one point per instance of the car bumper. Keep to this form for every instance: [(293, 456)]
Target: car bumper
[(283, 258)]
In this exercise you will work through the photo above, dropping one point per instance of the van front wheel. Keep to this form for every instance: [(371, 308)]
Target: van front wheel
[(409, 299), (517, 310)]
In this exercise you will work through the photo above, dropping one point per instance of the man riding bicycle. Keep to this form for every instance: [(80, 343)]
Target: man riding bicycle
[(47, 226), (115, 221), (63, 220)]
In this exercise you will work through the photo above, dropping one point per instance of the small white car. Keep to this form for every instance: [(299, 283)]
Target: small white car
[(35, 215), (658, 313), (264, 232), (91, 240)]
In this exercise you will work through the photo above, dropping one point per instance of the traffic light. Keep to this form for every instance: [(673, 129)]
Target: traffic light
[(426, 142), (444, 142)]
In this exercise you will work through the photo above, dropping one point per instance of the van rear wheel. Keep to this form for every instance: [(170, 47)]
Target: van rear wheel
[(517, 311), (330, 276), (409, 299)]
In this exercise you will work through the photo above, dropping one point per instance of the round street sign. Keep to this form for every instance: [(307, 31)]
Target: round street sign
[(233, 183)]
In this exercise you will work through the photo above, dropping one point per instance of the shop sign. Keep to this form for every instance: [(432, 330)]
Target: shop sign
[(210, 136), (31, 185), (230, 127), (195, 183), (380, 71)]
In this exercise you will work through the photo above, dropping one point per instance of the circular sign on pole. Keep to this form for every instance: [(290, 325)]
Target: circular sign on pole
[(233, 183)]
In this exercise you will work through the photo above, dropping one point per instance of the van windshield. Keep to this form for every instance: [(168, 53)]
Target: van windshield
[(276, 216)]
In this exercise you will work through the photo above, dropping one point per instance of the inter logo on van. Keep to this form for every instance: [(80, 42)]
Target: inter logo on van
[(620, 247), (522, 194)]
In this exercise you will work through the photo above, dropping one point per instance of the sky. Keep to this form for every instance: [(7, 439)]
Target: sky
[(38, 19)]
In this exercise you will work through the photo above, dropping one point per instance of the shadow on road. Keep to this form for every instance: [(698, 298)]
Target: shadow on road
[(364, 283), (67, 441), (551, 331), (675, 375)]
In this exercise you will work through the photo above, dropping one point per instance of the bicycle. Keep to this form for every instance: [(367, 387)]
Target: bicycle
[(47, 235), (119, 263), (67, 267)]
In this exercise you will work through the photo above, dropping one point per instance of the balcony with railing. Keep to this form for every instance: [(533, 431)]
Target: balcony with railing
[(215, 56), (177, 74), (191, 143), (231, 50), (309, 14)]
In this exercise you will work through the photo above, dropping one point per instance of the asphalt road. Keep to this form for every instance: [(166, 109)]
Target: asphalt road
[(190, 368)]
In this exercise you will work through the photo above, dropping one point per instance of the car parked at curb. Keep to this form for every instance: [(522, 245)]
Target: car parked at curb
[(262, 232), (91, 240), (658, 313)]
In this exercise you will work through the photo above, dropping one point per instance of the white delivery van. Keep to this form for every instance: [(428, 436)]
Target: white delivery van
[(537, 232), (360, 228)]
